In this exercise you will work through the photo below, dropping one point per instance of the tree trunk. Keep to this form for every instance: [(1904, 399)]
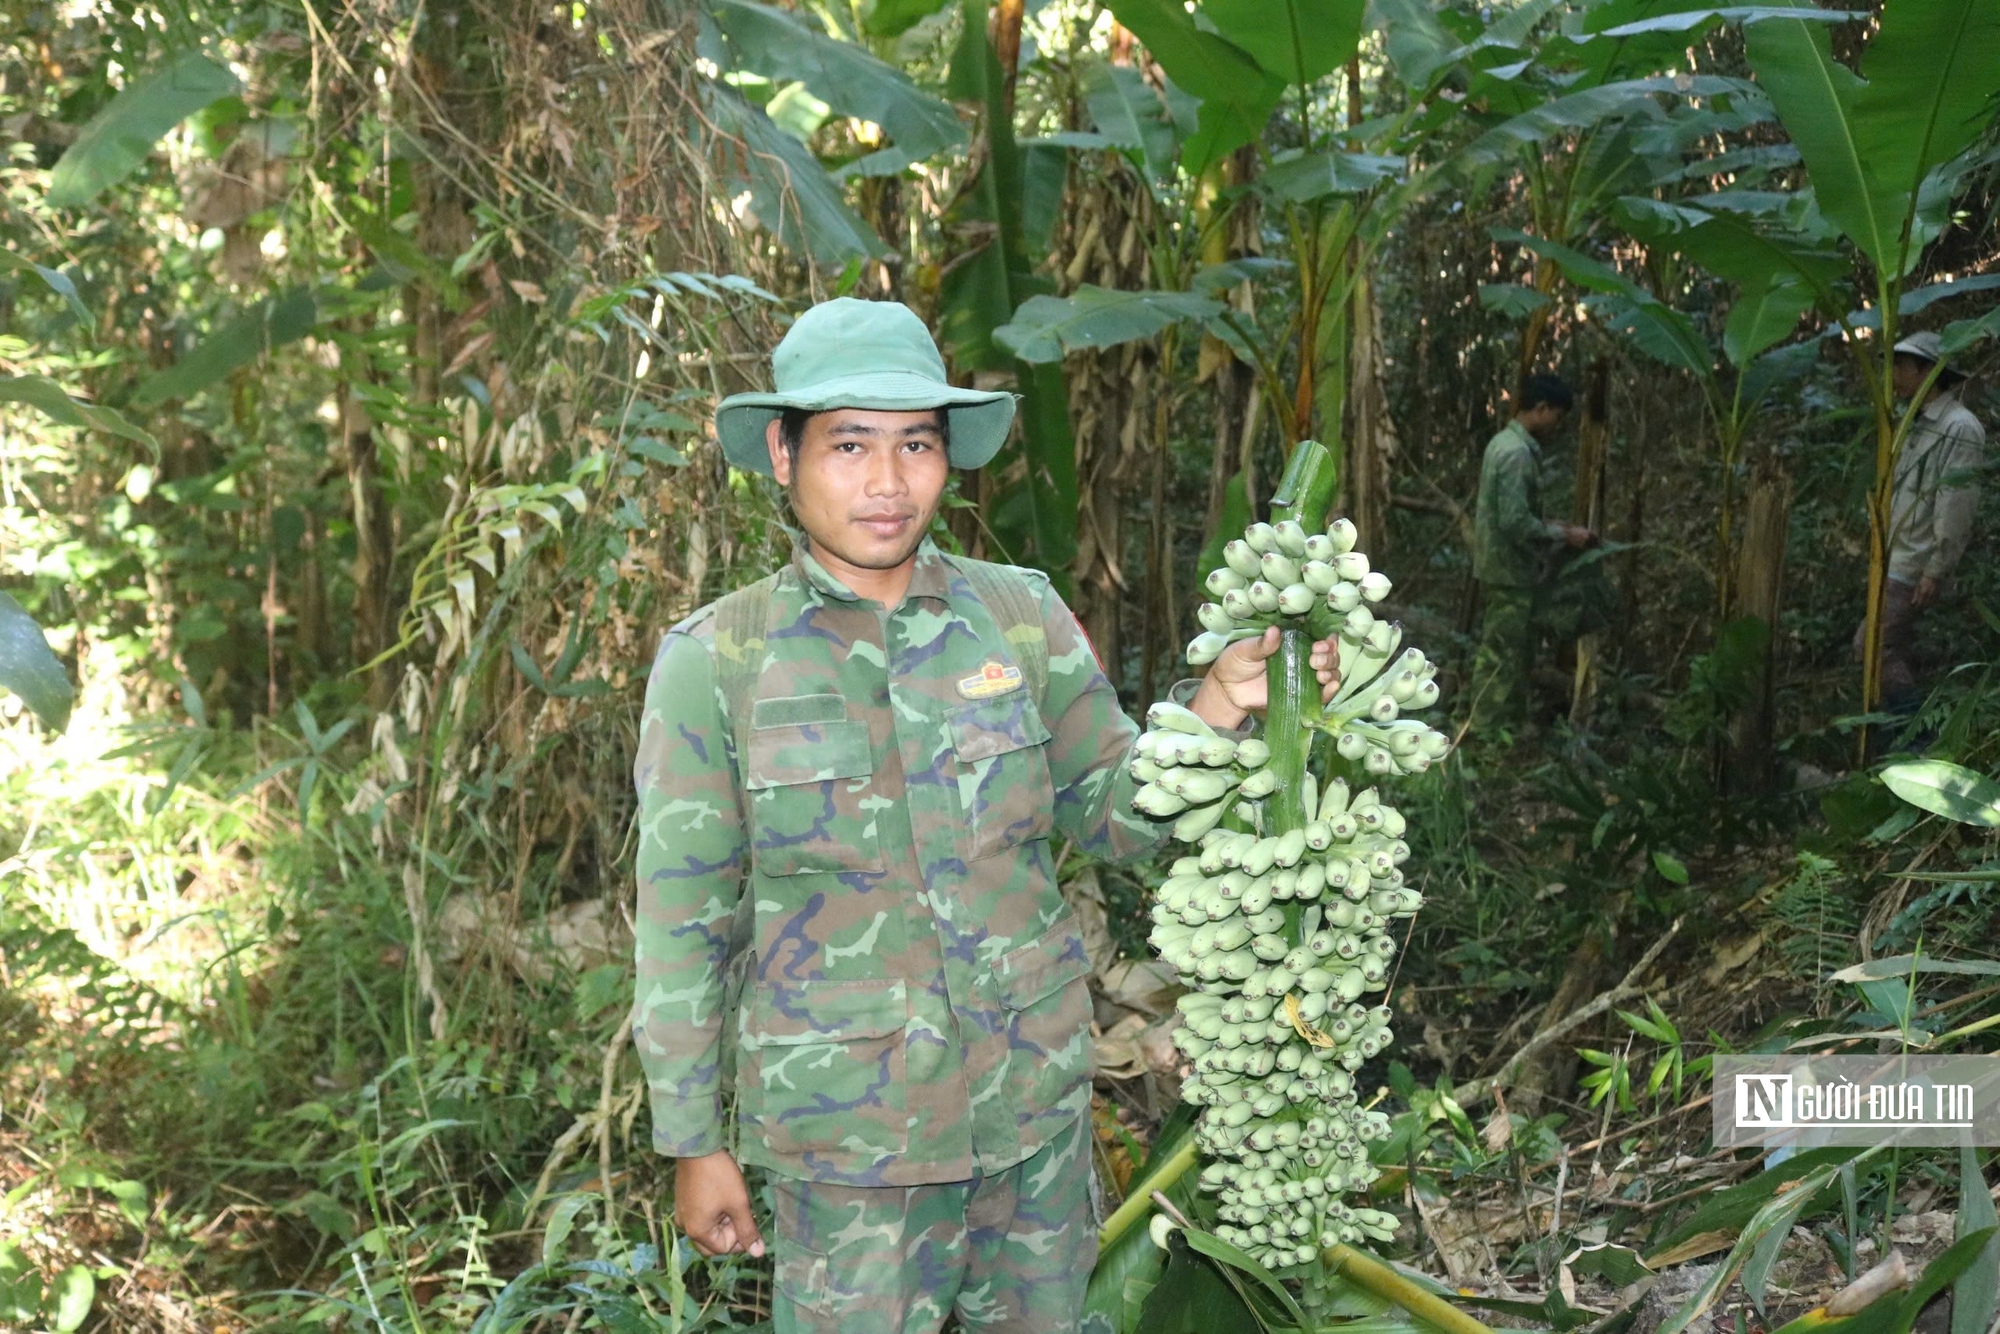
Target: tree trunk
[(1759, 587), (1593, 456)]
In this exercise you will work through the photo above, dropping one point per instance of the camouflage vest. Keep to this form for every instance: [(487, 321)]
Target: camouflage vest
[(744, 615)]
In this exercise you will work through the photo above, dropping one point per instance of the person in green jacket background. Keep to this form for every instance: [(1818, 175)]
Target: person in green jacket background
[(1515, 551), (849, 775)]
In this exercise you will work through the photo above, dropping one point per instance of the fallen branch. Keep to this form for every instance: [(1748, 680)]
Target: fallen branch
[(1477, 1090)]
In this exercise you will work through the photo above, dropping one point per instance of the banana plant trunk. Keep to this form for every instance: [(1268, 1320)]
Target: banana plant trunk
[(1759, 587), (1304, 493)]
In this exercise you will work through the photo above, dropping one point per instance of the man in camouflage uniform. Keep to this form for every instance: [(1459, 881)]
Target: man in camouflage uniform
[(848, 778), (1514, 551)]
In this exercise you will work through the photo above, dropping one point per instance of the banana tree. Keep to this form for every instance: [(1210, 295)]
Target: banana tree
[(1883, 151)]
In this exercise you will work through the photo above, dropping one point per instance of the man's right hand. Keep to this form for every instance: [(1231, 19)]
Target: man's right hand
[(712, 1205)]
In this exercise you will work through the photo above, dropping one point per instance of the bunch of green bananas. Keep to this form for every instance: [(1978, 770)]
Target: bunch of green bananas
[(1281, 934)]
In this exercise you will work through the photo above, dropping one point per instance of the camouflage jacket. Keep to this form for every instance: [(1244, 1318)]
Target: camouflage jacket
[(915, 1007), (1512, 544)]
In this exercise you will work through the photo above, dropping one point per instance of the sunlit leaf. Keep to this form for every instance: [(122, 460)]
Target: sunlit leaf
[(848, 78), (1946, 789), (1236, 93), (122, 135), (790, 191), (74, 1290)]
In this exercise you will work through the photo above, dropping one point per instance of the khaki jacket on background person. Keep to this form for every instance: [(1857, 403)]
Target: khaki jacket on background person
[(1937, 491), (915, 1008)]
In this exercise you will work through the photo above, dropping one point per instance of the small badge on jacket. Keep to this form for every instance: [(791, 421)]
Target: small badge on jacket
[(995, 678)]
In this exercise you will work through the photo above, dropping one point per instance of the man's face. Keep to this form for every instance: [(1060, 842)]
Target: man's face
[(1543, 421), (865, 484), (1909, 374)]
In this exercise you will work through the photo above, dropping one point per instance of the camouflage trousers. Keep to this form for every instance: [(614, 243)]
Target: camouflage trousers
[(1505, 656), (1009, 1252)]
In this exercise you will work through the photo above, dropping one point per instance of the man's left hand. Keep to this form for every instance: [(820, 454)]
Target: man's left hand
[(1925, 593), (1235, 686)]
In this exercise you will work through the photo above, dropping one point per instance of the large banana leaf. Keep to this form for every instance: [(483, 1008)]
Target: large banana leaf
[(1092, 318), (789, 191), (1419, 47), (1307, 176), (45, 395), (1815, 95), (119, 137), (1126, 110), (1237, 94), (1655, 328), (1736, 246), (1764, 312), (1933, 70), (782, 45), (1874, 148), (270, 323), (1962, 334), (28, 668), (1580, 111), (1297, 40)]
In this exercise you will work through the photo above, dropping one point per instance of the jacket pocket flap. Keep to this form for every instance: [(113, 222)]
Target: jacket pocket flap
[(807, 753), (1039, 969), (790, 1016), (788, 710), (995, 726)]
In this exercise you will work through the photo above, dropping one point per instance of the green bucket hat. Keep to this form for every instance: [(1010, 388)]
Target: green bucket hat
[(862, 354)]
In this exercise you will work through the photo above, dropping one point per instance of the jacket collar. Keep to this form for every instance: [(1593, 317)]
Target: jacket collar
[(930, 576), (1524, 435), (1941, 402)]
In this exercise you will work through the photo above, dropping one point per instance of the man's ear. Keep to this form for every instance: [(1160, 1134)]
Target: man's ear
[(781, 457)]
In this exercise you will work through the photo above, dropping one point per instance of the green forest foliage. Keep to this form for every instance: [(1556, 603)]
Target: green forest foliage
[(355, 367)]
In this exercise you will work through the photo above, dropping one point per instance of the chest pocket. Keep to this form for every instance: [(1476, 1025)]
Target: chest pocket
[(809, 773), (1004, 789)]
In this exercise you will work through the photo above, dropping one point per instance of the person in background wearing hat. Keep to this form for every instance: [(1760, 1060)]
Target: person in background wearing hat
[(849, 776), (1930, 513)]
